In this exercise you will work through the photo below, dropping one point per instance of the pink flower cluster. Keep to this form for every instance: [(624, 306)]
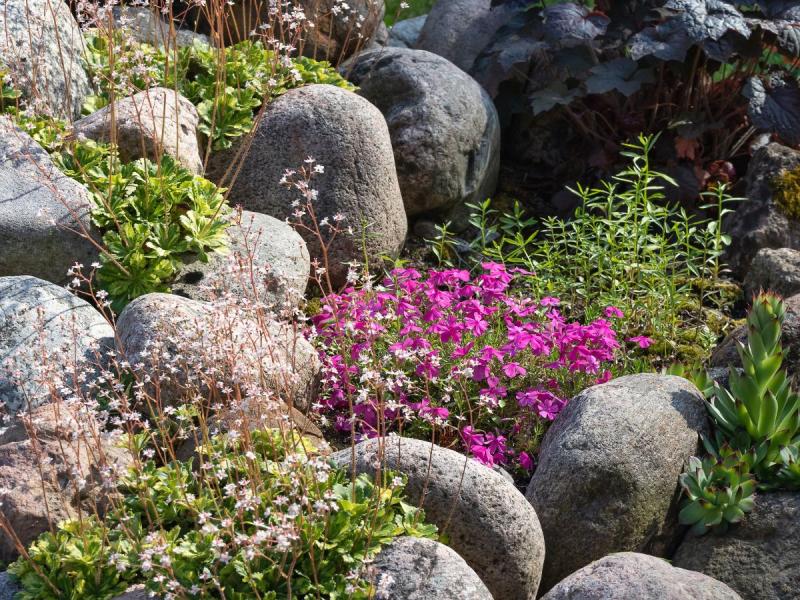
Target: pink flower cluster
[(457, 355)]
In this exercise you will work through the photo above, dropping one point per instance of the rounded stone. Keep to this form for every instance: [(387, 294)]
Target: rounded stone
[(607, 478), (633, 576), (45, 226), (39, 317), (759, 557), (149, 124), (404, 34), (459, 30), (42, 47), (334, 29), (773, 269), (349, 138), (183, 343), (268, 262), (444, 127), (487, 521), (421, 569)]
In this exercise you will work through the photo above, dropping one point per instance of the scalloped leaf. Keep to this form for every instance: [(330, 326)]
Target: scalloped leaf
[(556, 94), (775, 106), (666, 41), (568, 22), (708, 19), (621, 74)]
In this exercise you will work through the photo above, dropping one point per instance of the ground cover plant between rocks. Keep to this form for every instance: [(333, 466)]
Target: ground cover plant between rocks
[(481, 420)]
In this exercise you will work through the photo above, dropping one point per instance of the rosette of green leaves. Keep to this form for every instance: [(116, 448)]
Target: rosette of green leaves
[(760, 408), (163, 504), (719, 490), (152, 215), (788, 476)]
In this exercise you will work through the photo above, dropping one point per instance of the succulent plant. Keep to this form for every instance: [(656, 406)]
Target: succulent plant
[(720, 490), (788, 476), (760, 406)]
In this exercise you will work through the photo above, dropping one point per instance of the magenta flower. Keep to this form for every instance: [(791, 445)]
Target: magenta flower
[(525, 461), (549, 301), (613, 312), (513, 369), (642, 340)]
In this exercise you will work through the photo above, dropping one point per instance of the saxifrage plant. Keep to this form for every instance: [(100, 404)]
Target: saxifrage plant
[(152, 216), (266, 517), (227, 85)]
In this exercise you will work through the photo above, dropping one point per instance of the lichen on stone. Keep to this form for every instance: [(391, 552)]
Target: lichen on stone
[(786, 192)]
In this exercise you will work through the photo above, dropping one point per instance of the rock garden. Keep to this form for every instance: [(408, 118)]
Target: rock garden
[(426, 300)]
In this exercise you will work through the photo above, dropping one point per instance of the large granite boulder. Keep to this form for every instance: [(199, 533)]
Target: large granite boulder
[(421, 569), (43, 458), (444, 127), (607, 479), (632, 576), (182, 344), (45, 226), (759, 557), (148, 26), (149, 124), (485, 518), (348, 137), (46, 336), (333, 30), (268, 262), (459, 30), (42, 46)]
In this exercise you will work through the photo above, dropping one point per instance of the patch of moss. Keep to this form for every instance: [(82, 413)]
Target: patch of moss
[(786, 192)]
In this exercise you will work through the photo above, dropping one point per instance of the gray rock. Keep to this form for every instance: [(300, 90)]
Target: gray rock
[(44, 215), (38, 317), (776, 270), (444, 127), (149, 124), (486, 519), (632, 576), (339, 28), (38, 472), (726, 355), (759, 222), (347, 136), (759, 557), (8, 588), (421, 569), (607, 479), (236, 345), (404, 34), (42, 47), (268, 262), (147, 26), (459, 30)]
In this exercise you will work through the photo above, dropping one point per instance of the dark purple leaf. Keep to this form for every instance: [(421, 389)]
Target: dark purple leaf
[(708, 19), (666, 41), (570, 22), (775, 106), (621, 74), (554, 95)]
